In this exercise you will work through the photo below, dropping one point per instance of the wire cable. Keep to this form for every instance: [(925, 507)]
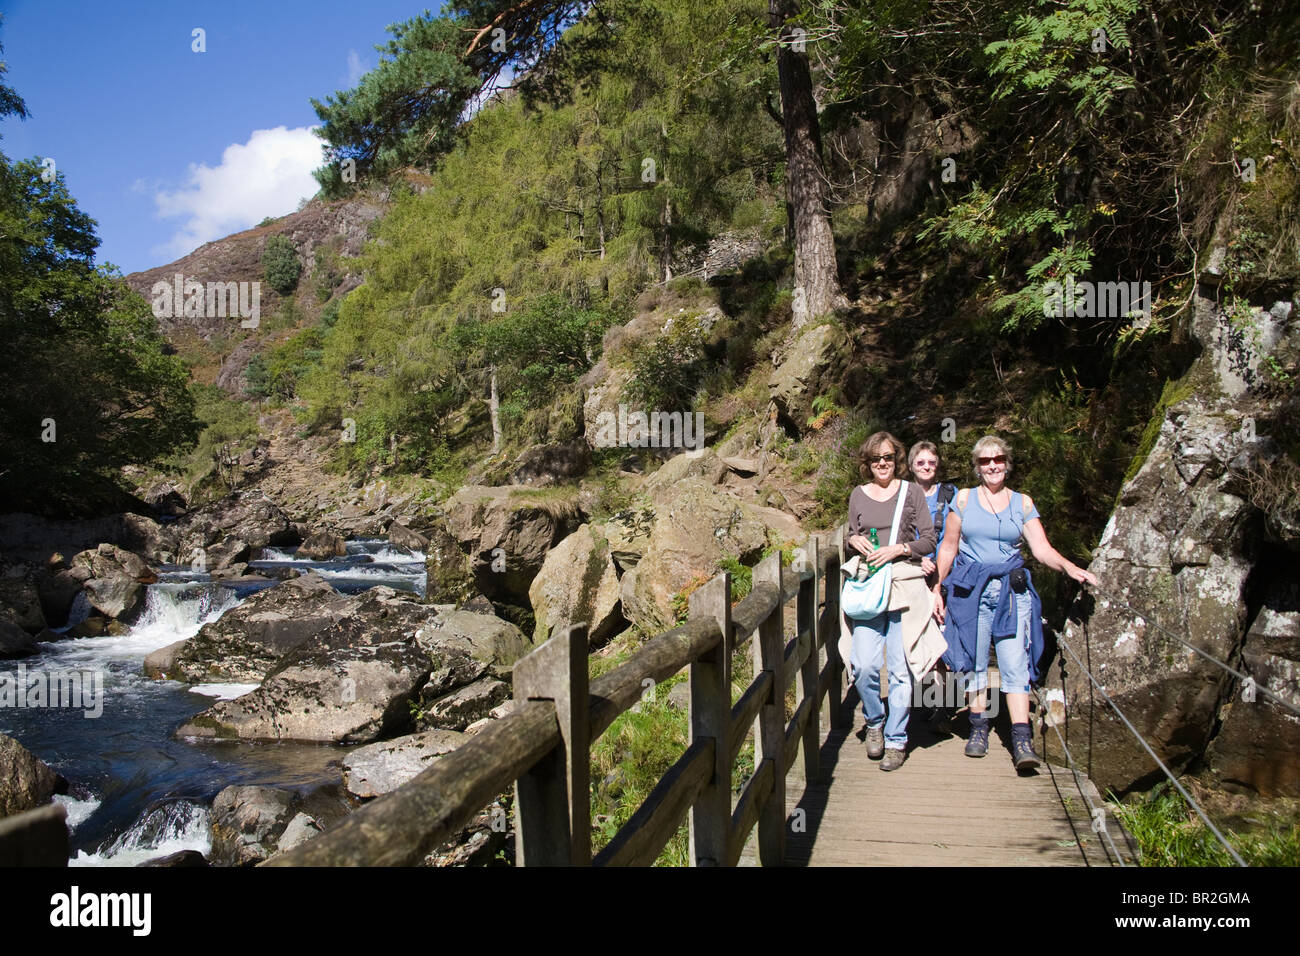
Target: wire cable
[(1133, 730), (1069, 758)]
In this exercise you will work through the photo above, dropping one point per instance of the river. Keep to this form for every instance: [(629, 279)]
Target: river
[(136, 794)]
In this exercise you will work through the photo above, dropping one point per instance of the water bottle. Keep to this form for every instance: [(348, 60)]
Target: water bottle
[(875, 543)]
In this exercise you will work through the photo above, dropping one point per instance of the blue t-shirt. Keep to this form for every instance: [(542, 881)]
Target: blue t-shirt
[(939, 512), (992, 538)]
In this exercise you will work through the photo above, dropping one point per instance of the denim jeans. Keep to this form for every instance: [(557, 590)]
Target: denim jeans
[(872, 639), (1013, 651)]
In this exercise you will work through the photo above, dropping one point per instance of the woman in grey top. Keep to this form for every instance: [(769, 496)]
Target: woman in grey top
[(872, 505)]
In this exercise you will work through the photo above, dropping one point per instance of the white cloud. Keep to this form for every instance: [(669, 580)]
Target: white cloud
[(267, 176), (356, 69)]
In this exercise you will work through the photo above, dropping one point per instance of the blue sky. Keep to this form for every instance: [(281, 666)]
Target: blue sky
[(168, 148)]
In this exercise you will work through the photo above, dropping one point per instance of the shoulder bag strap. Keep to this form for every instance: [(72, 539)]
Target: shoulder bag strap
[(898, 512)]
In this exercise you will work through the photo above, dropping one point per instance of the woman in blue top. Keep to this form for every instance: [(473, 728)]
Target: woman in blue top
[(981, 545), (923, 462)]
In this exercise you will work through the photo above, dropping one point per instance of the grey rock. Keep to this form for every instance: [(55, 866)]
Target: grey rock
[(577, 583), (26, 782), (400, 536), (463, 706), (161, 664), (245, 643), (247, 822), (113, 579), (378, 768), (300, 829), (322, 546)]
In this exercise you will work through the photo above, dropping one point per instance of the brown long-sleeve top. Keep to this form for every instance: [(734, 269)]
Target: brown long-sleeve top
[(915, 528)]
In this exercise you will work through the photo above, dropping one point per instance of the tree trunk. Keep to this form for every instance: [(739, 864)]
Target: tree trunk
[(816, 275), (666, 249), (494, 409)]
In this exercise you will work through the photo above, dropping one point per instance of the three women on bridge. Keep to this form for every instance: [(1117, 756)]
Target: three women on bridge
[(991, 599)]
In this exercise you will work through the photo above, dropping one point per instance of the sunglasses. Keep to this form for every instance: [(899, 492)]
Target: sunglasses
[(993, 460), (879, 458), (922, 463)]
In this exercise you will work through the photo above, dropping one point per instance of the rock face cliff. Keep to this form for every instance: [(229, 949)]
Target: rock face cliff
[(325, 234), (1202, 545)]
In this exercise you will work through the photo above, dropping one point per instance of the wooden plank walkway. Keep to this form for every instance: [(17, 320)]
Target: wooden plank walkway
[(941, 808)]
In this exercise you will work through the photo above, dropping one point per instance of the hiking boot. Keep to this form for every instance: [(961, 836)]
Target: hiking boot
[(894, 758), (1022, 748), (875, 742), (977, 745)]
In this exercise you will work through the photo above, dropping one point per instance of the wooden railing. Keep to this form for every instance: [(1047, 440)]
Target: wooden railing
[(543, 745)]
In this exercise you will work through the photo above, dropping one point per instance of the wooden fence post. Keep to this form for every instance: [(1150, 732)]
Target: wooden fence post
[(810, 673), (711, 717), (553, 799), (769, 741), (839, 719)]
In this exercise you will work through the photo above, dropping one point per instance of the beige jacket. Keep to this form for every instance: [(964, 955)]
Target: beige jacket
[(923, 638)]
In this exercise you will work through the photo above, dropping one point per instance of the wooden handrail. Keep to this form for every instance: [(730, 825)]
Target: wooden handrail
[(543, 745)]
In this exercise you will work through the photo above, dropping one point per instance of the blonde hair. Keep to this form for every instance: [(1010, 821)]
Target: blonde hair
[(983, 445)]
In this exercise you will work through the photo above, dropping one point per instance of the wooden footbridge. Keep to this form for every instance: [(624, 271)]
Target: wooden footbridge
[(814, 798)]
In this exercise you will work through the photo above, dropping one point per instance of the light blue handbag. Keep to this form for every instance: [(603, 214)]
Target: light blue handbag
[(863, 600)]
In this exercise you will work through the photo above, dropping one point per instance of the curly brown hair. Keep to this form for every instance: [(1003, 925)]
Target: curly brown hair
[(869, 447)]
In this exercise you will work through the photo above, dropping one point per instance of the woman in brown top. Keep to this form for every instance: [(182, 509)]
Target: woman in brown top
[(872, 505)]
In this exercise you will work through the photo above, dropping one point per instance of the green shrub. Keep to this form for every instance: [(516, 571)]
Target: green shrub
[(280, 265), (1170, 833)]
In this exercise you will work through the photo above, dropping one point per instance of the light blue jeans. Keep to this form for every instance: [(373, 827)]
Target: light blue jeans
[(1013, 651), (872, 639)]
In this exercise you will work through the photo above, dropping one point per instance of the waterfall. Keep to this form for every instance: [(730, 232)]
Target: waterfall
[(162, 829)]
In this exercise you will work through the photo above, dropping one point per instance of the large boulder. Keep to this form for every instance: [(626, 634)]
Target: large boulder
[(400, 536), (250, 518), (815, 360), (26, 782), (246, 642), (578, 583), (552, 464), (113, 580), (376, 769), (464, 705), (1183, 551), (249, 823), (353, 680), (694, 530), (507, 532), (483, 638), (322, 546), (356, 693)]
